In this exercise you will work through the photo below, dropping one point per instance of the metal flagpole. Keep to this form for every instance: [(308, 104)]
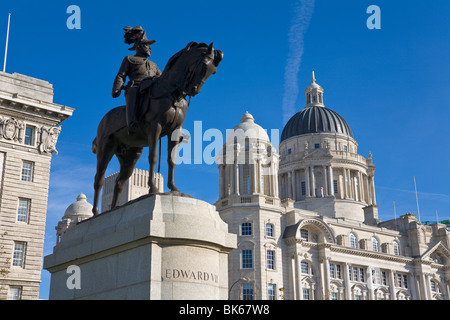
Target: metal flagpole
[(7, 38), (417, 199)]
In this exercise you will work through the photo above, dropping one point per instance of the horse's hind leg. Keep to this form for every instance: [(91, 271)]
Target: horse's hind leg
[(127, 161), (104, 154)]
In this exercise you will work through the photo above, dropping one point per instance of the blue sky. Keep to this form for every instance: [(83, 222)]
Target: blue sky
[(391, 85)]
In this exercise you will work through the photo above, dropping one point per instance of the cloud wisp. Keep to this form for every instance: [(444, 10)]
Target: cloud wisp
[(303, 12)]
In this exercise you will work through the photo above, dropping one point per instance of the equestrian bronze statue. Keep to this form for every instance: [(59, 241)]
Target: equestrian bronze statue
[(161, 109)]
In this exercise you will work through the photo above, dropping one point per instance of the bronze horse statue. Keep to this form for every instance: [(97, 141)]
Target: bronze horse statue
[(163, 107)]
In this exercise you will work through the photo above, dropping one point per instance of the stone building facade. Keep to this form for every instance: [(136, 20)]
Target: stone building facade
[(28, 134), (307, 220)]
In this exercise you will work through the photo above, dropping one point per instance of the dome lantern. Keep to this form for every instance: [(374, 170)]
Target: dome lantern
[(314, 93)]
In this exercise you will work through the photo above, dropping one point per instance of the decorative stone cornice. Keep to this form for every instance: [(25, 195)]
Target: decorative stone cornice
[(25, 106)]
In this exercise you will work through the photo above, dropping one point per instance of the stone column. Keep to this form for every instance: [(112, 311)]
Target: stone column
[(275, 181), (360, 186), (325, 269), (236, 169), (252, 169), (293, 276), (325, 180), (347, 267), (372, 187), (330, 176), (313, 182), (370, 283), (414, 287), (345, 183), (307, 182), (294, 189), (289, 184), (392, 284)]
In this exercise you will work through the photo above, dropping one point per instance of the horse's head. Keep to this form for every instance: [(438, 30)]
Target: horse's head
[(202, 63)]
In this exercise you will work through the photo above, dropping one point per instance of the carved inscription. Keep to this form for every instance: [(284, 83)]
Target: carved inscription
[(191, 275)]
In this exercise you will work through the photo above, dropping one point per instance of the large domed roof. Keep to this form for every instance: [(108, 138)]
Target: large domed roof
[(315, 119)]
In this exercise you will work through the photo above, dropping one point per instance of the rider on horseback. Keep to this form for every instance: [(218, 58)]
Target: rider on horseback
[(137, 68)]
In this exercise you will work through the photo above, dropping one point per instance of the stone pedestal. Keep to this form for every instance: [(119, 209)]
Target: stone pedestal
[(155, 247)]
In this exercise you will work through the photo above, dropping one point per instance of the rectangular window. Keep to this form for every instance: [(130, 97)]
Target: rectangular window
[(303, 188), (23, 210), (306, 295), (332, 271), (338, 271), (245, 189), (27, 171), (355, 274), (271, 291), (377, 278), (14, 293), (362, 276), (405, 281), (18, 254), (246, 229), (304, 267), (316, 146), (247, 259), (269, 230), (335, 186), (304, 234), (247, 291), (270, 259), (384, 278), (29, 136)]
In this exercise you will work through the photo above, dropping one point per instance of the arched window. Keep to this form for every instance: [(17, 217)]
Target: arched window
[(396, 248), (352, 240), (304, 267), (375, 245)]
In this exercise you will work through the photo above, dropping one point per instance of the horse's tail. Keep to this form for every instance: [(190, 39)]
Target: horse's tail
[(94, 145)]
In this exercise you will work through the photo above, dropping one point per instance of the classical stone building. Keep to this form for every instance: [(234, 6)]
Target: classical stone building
[(307, 220), (28, 134)]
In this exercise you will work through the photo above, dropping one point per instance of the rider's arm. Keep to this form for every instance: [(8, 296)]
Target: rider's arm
[(120, 79)]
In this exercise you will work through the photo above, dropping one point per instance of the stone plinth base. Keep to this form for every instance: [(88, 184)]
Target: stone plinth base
[(156, 247)]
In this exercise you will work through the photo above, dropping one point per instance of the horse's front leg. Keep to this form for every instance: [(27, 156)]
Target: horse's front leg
[(153, 134), (172, 145)]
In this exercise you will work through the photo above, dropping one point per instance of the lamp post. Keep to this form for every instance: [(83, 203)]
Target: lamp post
[(231, 288)]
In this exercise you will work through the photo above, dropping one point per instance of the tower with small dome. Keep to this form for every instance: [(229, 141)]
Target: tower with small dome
[(75, 213)]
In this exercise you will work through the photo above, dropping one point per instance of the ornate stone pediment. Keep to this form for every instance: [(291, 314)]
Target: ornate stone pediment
[(438, 254)]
